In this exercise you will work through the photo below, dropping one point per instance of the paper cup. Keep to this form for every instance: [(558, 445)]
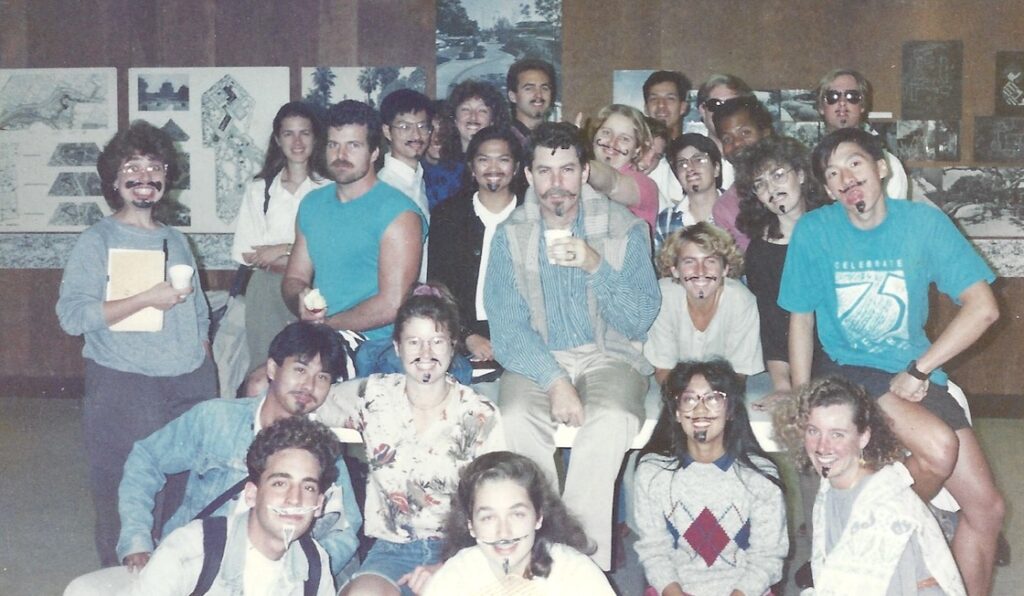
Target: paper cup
[(552, 235), (180, 276)]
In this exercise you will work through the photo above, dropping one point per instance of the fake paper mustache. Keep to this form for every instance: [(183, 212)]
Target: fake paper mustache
[(130, 184), (556, 192), (607, 146), (504, 541), (291, 510)]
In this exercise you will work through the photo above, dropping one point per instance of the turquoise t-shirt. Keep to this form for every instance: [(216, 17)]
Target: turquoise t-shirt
[(343, 240), (868, 289)]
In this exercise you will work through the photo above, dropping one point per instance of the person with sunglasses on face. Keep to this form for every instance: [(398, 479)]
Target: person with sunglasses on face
[(704, 475), (718, 89), (844, 101)]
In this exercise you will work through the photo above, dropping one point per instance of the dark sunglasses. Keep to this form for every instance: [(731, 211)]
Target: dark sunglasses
[(712, 104), (851, 96)]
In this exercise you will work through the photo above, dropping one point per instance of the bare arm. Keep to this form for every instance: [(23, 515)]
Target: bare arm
[(298, 275), (801, 346), (619, 188), (977, 313), (778, 370), (401, 250)]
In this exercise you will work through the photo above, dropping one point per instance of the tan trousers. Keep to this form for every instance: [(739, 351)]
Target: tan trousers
[(612, 393)]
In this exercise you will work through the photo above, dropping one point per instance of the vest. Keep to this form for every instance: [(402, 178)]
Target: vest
[(606, 226)]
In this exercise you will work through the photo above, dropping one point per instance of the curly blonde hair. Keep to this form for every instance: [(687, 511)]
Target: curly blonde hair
[(790, 420), (709, 238)]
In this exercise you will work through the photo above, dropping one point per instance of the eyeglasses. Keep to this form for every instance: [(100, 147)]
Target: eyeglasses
[(712, 400), (832, 96), (698, 159), (712, 104), (132, 168), (776, 178), (407, 127)]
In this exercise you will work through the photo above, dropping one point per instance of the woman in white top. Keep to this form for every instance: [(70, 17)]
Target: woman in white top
[(293, 166), (509, 533), (872, 533)]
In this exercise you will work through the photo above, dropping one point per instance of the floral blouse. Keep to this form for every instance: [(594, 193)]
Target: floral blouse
[(413, 477)]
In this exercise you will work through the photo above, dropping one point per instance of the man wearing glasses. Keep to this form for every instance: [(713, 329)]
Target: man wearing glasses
[(844, 100)]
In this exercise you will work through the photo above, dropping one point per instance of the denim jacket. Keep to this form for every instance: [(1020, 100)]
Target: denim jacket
[(209, 442), (175, 566)]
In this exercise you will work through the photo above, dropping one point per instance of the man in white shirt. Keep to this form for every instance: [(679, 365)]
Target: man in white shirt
[(665, 100)]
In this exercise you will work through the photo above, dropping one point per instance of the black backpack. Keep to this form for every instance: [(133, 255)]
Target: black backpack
[(215, 533)]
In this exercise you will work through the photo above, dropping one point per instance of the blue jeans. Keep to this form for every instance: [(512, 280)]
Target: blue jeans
[(392, 560)]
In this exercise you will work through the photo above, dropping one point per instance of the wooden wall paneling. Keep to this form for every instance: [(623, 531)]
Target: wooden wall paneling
[(187, 34), (14, 33), (338, 37), (33, 344)]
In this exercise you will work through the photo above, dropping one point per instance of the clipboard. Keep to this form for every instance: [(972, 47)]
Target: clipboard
[(129, 272)]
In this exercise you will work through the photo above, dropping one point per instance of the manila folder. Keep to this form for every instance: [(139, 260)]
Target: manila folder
[(132, 271)]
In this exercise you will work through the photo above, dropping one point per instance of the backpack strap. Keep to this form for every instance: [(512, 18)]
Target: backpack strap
[(222, 498), (313, 559), (215, 533)]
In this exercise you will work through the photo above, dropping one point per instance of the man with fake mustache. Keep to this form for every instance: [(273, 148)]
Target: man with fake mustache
[(859, 272), (705, 311), (209, 442), (358, 241), (569, 291), (844, 101)]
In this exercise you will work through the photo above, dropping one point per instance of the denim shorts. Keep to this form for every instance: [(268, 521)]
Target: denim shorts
[(392, 560)]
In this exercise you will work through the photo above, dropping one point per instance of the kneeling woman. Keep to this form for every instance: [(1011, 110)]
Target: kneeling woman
[(509, 533), (708, 506), (872, 533), (420, 429)]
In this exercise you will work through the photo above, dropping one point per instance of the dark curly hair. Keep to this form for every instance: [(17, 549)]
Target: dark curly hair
[(678, 79), (755, 220), (295, 432), (668, 438), (140, 139), (701, 143), (432, 301), (305, 341), (274, 160), (350, 111), (559, 525), (557, 135), (790, 420), (466, 90), (759, 114)]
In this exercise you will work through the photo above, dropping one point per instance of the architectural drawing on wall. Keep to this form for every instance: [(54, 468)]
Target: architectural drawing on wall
[(158, 92), (52, 125), (1010, 83), (221, 135), (76, 184), (986, 203), (480, 39), (71, 214), (998, 140), (932, 80), (327, 85)]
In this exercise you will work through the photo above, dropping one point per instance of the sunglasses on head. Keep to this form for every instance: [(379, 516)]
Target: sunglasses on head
[(853, 96), (712, 104)]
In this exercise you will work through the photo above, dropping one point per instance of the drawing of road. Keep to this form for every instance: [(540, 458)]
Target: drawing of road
[(494, 62)]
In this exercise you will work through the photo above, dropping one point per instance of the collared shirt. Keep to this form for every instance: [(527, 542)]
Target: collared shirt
[(490, 221), (210, 442), (675, 217), (670, 191), (175, 567), (277, 225), (409, 182)]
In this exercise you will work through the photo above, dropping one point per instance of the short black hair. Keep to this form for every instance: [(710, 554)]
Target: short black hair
[(140, 138), (351, 111), (405, 101), (744, 103), (521, 66), (295, 432), (557, 135), (828, 145), (305, 341), (495, 133), (698, 141), (678, 79)]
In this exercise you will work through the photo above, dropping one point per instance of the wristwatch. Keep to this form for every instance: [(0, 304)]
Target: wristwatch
[(912, 371)]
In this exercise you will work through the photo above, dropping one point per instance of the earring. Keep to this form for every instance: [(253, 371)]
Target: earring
[(861, 460), (115, 188)]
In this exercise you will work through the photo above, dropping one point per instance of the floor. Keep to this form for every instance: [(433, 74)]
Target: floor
[(46, 514)]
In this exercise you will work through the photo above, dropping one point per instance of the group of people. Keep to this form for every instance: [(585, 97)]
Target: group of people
[(456, 279)]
